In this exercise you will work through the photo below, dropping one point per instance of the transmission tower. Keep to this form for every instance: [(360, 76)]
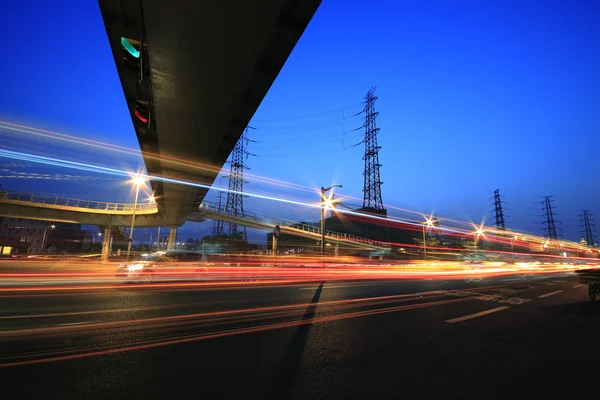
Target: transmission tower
[(548, 215), (372, 181), (587, 220), (499, 212), (235, 198), (217, 227)]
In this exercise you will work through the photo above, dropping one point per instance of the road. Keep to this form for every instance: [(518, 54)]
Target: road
[(495, 337)]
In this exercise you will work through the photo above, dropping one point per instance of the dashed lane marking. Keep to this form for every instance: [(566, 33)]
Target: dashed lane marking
[(476, 315), (549, 294), (350, 285), (576, 286)]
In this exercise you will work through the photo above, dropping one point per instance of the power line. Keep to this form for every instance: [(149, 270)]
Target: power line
[(342, 109), (276, 130)]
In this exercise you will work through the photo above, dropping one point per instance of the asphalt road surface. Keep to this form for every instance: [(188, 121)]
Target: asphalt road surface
[(512, 337)]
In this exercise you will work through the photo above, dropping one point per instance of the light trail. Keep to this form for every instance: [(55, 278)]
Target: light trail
[(179, 161), (463, 228), (136, 152), (126, 174), (251, 274), (161, 342)]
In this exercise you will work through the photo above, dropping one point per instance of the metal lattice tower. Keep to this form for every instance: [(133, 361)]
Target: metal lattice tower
[(372, 180), (499, 212), (218, 224), (549, 214), (588, 223), (235, 197)]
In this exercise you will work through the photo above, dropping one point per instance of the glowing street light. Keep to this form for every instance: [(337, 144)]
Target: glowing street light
[(137, 181), (478, 232), (428, 223), (52, 227), (515, 237), (327, 203), (94, 237)]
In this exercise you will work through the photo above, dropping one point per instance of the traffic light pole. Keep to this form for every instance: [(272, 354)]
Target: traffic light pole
[(323, 223)]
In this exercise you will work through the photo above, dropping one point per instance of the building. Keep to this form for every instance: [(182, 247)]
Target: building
[(22, 236), (383, 230), (28, 236), (68, 238)]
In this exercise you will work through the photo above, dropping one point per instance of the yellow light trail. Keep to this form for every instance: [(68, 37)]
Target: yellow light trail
[(454, 226)]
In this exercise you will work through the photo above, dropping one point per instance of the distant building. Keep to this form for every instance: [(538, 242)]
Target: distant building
[(384, 230), (22, 236), (68, 238), (28, 236)]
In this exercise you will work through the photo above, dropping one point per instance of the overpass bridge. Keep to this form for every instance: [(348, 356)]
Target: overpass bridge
[(214, 211), (114, 215), (110, 217), (77, 211), (193, 75)]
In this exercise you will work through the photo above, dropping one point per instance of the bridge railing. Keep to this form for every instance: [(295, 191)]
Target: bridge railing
[(70, 202), (248, 215)]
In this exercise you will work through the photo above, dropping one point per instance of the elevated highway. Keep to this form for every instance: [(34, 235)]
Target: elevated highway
[(193, 75), (113, 215), (77, 211), (213, 211)]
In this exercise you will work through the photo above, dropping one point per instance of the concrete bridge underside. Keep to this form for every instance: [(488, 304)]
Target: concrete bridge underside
[(207, 67)]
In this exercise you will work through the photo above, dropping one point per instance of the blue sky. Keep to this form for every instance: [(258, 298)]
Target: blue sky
[(473, 96)]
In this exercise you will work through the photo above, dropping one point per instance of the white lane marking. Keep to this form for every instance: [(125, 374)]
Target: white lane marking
[(479, 314), (576, 286), (74, 323), (342, 286), (549, 294)]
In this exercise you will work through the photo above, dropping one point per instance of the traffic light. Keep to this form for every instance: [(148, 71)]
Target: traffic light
[(131, 53), (143, 112)]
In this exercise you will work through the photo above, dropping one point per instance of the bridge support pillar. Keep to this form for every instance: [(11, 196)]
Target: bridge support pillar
[(275, 245), (106, 243), (337, 250), (172, 237)]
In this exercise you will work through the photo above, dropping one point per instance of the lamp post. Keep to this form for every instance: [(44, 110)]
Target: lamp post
[(137, 181), (152, 200), (94, 238), (52, 226), (428, 222), (478, 232), (326, 202), (511, 242)]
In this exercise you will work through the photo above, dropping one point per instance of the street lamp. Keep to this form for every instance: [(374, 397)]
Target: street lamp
[(94, 238), (429, 223), (327, 203), (52, 227), (478, 232), (511, 242), (137, 181)]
